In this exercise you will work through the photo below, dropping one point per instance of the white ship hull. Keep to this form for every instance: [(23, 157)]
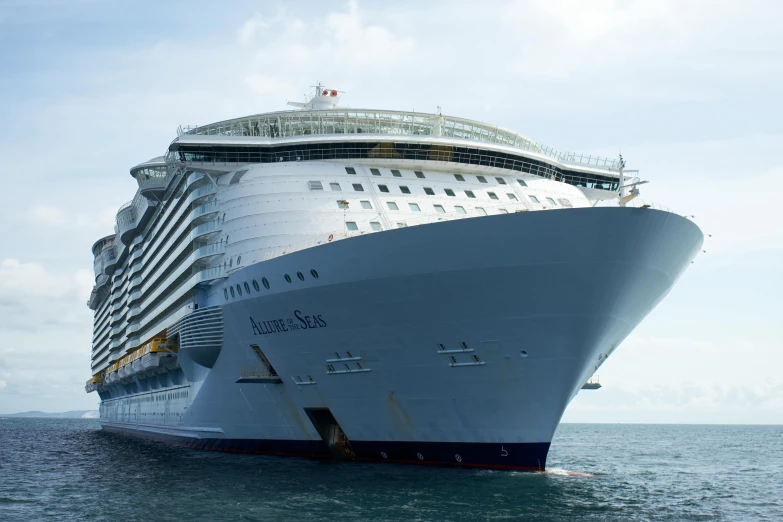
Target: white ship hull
[(457, 343)]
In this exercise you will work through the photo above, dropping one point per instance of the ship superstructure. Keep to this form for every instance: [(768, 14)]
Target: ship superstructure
[(370, 285)]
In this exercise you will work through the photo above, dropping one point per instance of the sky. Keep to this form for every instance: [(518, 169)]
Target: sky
[(689, 91)]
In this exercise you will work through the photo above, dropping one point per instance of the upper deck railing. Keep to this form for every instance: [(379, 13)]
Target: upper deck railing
[(394, 123)]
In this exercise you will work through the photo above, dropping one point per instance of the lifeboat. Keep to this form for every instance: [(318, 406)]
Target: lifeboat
[(159, 356)]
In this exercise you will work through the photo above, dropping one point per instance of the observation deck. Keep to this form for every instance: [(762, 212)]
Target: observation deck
[(151, 177), (339, 122)]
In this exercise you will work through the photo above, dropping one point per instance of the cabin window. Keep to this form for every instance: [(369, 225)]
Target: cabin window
[(401, 225), (459, 177), (265, 283), (375, 172), (439, 209), (366, 205), (470, 194), (314, 273), (492, 195), (335, 186), (232, 291), (396, 174), (481, 211), (239, 289), (287, 278), (522, 182), (358, 187), (341, 203), (449, 192), (404, 189), (534, 199), (255, 286), (375, 226), (551, 202), (300, 275), (503, 211), (481, 179), (392, 205), (414, 207), (565, 202), (511, 196), (350, 170), (225, 293), (429, 191), (501, 181), (419, 174), (383, 188), (315, 185), (247, 287), (460, 210), (351, 225)]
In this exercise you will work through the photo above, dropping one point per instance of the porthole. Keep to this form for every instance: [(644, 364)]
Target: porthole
[(255, 285), (239, 289), (523, 353), (247, 287), (239, 260), (300, 275), (232, 291), (265, 283), (314, 273), (287, 278), (225, 293)]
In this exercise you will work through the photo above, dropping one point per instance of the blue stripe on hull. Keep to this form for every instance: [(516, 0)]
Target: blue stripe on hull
[(513, 456)]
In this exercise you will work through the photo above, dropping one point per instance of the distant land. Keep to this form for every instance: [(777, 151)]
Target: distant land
[(76, 414)]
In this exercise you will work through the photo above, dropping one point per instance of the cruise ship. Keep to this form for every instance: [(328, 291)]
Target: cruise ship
[(370, 285)]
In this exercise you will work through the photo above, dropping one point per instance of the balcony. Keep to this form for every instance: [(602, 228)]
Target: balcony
[(109, 257), (208, 251), (205, 230), (204, 210), (202, 192), (152, 178)]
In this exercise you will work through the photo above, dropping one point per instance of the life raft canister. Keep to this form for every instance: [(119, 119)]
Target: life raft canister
[(334, 93), (325, 93)]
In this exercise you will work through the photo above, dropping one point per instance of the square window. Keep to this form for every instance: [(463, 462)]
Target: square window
[(401, 225), (534, 199), (375, 172), (565, 202), (414, 207), (367, 205), (383, 188), (351, 225), (460, 210), (375, 226), (501, 181), (439, 209), (503, 211), (335, 186), (459, 177), (511, 196), (551, 202), (482, 179), (429, 191), (448, 192), (350, 170), (522, 182), (481, 211), (396, 173), (492, 195), (404, 189), (315, 185), (419, 174), (470, 194), (342, 203), (358, 187), (392, 205)]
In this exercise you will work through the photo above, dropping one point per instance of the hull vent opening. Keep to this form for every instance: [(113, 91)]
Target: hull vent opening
[(263, 373), (331, 433)]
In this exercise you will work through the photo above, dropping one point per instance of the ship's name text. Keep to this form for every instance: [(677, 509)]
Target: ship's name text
[(298, 322)]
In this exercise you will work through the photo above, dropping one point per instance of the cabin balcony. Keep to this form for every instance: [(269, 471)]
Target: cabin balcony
[(209, 251), (205, 230), (126, 221)]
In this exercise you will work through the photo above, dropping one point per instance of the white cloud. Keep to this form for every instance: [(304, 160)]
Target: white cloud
[(247, 33)]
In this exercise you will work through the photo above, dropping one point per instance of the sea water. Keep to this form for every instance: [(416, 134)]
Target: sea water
[(68, 469)]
